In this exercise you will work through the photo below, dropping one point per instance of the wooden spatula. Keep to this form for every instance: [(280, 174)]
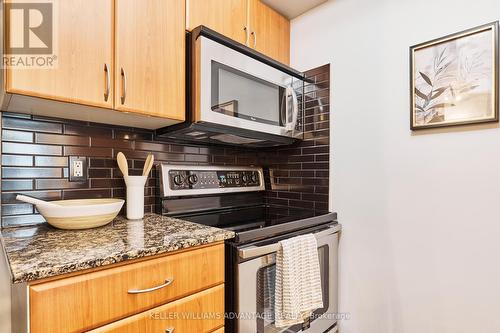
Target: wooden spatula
[(122, 163), (148, 165)]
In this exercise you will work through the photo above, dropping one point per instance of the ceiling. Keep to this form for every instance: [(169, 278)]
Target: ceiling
[(293, 8)]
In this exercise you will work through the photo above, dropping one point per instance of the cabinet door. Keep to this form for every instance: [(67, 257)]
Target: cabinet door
[(228, 17), (84, 35), (270, 32), (150, 57)]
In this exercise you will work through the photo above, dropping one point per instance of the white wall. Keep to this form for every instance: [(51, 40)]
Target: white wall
[(420, 248)]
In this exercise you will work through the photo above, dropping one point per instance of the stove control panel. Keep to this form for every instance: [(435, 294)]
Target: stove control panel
[(194, 180), (198, 179)]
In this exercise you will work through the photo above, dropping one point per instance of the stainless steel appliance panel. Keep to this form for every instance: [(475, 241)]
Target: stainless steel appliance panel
[(256, 96), (256, 286)]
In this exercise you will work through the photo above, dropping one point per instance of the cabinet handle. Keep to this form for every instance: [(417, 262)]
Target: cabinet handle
[(124, 86), (254, 34), (169, 330), (142, 291), (246, 35), (108, 83)]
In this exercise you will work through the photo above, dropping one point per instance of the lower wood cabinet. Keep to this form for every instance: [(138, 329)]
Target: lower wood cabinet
[(190, 281), (201, 313)]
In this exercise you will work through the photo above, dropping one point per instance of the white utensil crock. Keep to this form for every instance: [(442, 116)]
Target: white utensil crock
[(135, 196)]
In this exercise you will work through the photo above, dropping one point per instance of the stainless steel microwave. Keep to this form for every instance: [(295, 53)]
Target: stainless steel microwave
[(238, 96)]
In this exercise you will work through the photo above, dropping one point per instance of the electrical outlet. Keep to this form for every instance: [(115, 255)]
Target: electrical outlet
[(77, 169)]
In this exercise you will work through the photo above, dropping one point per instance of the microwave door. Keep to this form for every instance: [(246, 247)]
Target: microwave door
[(239, 91), (240, 95)]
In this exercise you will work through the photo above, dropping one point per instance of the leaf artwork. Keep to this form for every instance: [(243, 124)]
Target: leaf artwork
[(442, 105), (439, 92), (420, 94), (426, 79), (449, 74)]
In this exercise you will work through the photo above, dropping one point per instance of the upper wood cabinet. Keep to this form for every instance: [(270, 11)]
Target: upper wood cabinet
[(228, 17), (150, 57), (126, 55), (248, 22), (269, 32), (84, 67)]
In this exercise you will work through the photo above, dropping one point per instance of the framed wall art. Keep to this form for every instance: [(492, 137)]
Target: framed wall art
[(454, 79)]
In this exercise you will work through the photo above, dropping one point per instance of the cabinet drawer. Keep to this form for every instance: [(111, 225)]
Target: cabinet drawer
[(200, 313), (94, 299)]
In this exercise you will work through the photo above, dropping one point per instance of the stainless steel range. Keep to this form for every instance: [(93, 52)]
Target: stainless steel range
[(233, 198)]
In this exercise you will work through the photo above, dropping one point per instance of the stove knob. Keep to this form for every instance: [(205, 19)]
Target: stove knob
[(193, 179), (254, 178), (178, 180), (244, 178)]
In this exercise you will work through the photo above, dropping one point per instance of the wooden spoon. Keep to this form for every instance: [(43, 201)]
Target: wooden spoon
[(122, 163), (148, 165)]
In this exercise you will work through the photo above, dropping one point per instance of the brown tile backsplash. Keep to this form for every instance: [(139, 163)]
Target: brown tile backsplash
[(35, 150)]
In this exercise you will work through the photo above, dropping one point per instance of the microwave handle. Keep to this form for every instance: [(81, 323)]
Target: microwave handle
[(290, 126), (258, 251)]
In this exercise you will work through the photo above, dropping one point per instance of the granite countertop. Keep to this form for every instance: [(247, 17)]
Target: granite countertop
[(42, 251)]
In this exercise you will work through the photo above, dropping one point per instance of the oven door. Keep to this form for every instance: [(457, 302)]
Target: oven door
[(236, 90), (256, 282)]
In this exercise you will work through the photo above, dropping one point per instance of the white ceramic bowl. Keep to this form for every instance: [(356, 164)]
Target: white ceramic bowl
[(81, 214)]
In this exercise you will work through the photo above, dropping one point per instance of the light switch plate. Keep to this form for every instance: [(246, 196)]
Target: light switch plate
[(78, 169)]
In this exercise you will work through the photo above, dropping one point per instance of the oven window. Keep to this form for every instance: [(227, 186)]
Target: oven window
[(266, 276), (238, 94)]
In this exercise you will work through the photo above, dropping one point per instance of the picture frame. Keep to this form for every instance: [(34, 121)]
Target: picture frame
[(454, 79)]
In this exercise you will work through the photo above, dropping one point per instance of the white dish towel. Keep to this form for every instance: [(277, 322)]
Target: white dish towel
[(298, 280)]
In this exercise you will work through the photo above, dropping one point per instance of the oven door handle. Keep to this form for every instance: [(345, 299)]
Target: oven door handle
[(258, 251)]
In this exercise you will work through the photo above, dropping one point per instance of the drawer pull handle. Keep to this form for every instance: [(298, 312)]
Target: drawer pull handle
[(142, 291), (169, 330)]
